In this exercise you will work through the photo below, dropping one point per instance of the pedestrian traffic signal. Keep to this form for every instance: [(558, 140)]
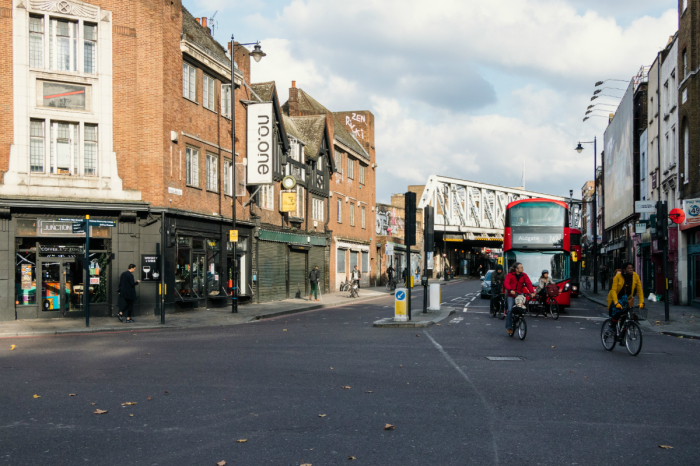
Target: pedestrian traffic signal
[(429, 225), (661, 220), (410, 206), (574, 256)]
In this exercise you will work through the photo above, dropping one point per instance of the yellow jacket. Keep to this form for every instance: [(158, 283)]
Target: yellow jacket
[(619, 283)]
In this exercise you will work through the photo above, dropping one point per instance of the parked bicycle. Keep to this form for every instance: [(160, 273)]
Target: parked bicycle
[(627, 330), (345, 286)]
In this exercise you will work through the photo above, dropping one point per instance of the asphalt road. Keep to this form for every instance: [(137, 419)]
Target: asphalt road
[(278, 384)]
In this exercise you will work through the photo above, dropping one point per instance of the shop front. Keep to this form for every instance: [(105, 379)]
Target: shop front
[(49, 278)]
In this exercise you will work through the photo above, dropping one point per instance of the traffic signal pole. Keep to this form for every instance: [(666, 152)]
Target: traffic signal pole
[(662, 235), (410, 240)]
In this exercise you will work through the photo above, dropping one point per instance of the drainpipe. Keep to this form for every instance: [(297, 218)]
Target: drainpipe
[(658, 123)]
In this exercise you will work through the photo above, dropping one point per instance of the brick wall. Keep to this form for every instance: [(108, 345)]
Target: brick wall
[(689, 111), (6, 99)]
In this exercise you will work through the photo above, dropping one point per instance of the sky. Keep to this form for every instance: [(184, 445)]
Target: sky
[(476, 90)]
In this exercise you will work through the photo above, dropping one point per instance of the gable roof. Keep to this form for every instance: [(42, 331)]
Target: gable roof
[(267, 92), (309, 105), (263, 90), (309, 129), (199, 36)]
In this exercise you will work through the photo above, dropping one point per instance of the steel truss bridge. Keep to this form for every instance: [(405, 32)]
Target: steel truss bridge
[(477, 211)]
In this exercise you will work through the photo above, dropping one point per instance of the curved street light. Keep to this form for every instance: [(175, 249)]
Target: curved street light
[(579, 149), (599, 83), (598, 91), (605, 95)]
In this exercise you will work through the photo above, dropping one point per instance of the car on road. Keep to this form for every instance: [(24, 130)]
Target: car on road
[(486, 285)]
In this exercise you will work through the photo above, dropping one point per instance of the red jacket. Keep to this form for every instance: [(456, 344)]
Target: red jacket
[(519, 284)]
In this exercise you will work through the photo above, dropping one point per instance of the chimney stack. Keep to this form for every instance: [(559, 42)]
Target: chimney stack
[(294, 84), (198, 22), (293, 106), (204, 22)]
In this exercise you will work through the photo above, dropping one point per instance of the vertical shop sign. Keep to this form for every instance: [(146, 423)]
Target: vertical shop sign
[(150, 267), (260, 143)]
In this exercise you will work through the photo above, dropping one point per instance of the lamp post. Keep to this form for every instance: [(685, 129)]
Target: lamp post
[(579, 149), (257, 54)]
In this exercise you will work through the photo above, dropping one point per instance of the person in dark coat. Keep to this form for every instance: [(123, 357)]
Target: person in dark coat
[(127, 292), (314, 276)]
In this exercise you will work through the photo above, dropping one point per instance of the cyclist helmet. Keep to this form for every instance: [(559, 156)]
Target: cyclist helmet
[(545, 271)]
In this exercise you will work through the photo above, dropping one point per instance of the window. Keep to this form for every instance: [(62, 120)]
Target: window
[(672, 153), (317, 209), (362, 174), (61, 95), (685, 6), (226, 100), (364, 216), (267, 197), (90, 150), (208, 92), (64, 148), (340, 211), (36, 146), (90, 48), (665, 158), (189, 82), (352, 214), (228, 177), (686, 153), (365, 261), (319, 167), (685, 64), (66, 40), (36, 42), (192, 167), (300, 202), (351, 168), (340, 261), (212, 172), (294, 149), (338, 162), (353, 259)]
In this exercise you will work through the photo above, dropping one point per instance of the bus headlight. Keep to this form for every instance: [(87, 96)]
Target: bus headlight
[(574, 288), (566, 287)]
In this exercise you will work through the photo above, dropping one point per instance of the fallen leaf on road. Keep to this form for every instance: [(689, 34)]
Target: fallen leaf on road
[(369, 391), (417, 335), (306, 464), (351, 458), (37, 396), (166, 391), (221, 463), (93, 404), (400, 365), (100, 411), (321, 415), (12, 347), (284, 330), (331, 368), (437, 325), (553, 346), (147, 354), (149, 398), (131, 415), (129, 403), (680, 336), (243, 440), (666, 447), (72, 394), (388, 427), (346, 387), (585, 376)]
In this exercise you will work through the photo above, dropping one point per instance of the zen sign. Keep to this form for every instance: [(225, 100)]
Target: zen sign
[(260, 131)]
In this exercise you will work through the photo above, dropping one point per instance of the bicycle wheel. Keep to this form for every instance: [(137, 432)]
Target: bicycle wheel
[(607, 335), (388, 286), (633, 338), (501, 311), (515, 326), (522, 328), (554, 309), (533, 308)]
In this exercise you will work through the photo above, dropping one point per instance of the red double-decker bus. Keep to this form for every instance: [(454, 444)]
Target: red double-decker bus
[(575, 261), (537, 234)]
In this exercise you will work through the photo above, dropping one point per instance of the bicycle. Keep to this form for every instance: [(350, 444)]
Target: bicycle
[(627, 331), (498, 306), (391, 285), (519, 323), (345, 286), (587, 282), (353, 291), (535, 306)]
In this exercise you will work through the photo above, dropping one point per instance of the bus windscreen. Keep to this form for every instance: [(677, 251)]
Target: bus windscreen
[(537, 214)]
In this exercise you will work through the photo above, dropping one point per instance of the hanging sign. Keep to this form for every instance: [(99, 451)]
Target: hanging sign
[(644, 207), (289, 202), (233, 236), (691, 208), (260, 143)]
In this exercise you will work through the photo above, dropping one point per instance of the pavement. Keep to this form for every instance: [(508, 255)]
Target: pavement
[(197, 318), (684, 321), (319, 387)]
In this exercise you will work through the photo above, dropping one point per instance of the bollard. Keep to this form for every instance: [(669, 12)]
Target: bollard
[(435, 297), (400, 307)]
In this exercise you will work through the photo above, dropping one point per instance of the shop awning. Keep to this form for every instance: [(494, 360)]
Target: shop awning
[(291, 238)]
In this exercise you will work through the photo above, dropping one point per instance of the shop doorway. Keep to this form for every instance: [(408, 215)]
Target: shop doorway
[(62, 284)]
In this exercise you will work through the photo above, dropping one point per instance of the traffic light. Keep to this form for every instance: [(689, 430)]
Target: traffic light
[(410, 205), (661, 220), (429, 224), (574, 256), (170, 236)]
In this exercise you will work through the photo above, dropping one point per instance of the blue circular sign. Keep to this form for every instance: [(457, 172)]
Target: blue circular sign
[(694, 210), (400, 295)]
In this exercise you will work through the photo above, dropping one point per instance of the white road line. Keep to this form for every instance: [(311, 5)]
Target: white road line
[(473, 298)]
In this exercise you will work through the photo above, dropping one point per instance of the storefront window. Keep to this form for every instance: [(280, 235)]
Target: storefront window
[(213, 244), (25, 278), (98, 277), (197, 243), (183, 271), (214, 273)]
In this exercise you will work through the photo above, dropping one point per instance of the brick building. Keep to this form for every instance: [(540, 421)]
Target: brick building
[(123, 111), (351, 206)]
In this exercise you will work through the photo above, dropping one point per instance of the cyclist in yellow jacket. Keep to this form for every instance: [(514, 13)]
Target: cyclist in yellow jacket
[(622, 291)]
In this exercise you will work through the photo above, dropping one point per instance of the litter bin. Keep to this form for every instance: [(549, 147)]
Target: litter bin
[(435, 297)]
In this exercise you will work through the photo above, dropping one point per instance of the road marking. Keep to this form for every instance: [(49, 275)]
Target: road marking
[(487, 407), (503, 358), (473, 298)]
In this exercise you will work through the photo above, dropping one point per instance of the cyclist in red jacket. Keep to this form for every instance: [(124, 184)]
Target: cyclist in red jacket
[(517, 282)]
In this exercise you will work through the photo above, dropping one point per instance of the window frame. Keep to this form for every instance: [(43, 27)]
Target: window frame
[(686, 153), (212, 175), (228, 177), (363, 214), (226, 100), (39, 43), (351, 168), (208, 92), (192, 167), (41, 138), (301, 201), (189, 74), (362, 174), (317, 210), (96, 143), (267, 197), (340, 211), (352, 214), (93, 43)]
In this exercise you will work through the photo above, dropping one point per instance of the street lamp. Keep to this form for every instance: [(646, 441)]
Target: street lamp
[(600, 103), (600, 83), (257, 54), (579, 149), (605, 95), (598, 91)]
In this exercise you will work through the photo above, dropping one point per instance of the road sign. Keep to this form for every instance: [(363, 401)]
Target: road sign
[(233, 236), (640, 228), (642, 207), (389, 249), (677, 215), (691, 207), (400, 314)]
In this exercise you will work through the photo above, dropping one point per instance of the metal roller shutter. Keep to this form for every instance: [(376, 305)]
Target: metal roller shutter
[(317, 256), (272, 282), (297, 274)]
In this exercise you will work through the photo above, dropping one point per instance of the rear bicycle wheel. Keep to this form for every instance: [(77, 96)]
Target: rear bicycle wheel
[(522, 328), (633, 338), (533, 308), (501, 311), (607, 335), (554, 309)]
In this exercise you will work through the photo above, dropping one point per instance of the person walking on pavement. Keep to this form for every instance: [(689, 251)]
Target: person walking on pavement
[(517, 283), (447, 272), (314, 276), (127, 292), (603, 275), (356, 276)]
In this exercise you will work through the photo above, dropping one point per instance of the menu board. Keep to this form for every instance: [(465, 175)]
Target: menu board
[(150, 267), (26, 272)]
